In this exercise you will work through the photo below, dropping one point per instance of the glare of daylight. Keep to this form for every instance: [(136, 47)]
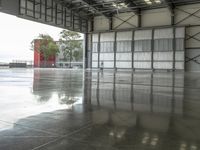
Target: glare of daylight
[(16, 35)]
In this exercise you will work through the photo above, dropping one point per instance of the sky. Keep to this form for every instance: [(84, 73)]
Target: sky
[(16, 35)]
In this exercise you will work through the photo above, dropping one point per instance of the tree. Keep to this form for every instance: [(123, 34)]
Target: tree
[(47, 46), (70, 46)]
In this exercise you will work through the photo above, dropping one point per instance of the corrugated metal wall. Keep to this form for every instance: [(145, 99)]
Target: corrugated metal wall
[(162, 46), (143, 49), (140, 49), (95, 51), (106, 52), (124, 50)]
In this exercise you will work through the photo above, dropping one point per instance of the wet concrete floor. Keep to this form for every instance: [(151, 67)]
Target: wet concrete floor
[(52, 109)]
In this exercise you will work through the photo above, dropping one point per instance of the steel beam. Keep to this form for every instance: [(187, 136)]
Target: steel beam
[(90, 4)]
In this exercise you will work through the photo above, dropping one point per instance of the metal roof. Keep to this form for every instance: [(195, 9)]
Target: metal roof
[(107, 8)]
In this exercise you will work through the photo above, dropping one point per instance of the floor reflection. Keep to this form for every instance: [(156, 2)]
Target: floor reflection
[(67, 86), (143, 110), (131, 92), (68, 109)]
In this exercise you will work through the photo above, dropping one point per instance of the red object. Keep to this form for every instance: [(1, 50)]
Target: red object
[(39, 58)]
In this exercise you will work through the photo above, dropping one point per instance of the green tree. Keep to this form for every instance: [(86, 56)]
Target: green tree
[(70, 45), (78, 55), (47, 47)]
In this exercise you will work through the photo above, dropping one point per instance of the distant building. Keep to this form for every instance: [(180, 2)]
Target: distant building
[(53, 61), (39, 60)]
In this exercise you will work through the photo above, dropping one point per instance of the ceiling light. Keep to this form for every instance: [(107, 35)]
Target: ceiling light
[(157, 1), (119, 5), (148, 2)]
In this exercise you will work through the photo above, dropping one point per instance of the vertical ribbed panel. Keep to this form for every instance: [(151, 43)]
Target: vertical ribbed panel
[(163, 41), (163, 65), (95, 37), (124, 46), (142, 56), (163, 33), (160, 53), (94, 64), (124, 36), (95, 56), (123, 57), (142, 65), (163, 44), (180, 32), (107, 37), (180, 44), (121, 64), (143, 45), (163, 56), (143, 35), (106, 56), (180, 56), (179, 65)]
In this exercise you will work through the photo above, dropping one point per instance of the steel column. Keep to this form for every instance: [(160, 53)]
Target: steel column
[(174, 49), (111, 23), (139, 18), (115, 50), (99, 48), (86, 51), (133, 49), (152, 50)]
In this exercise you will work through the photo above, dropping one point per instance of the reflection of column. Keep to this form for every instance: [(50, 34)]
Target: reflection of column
[(172, 102), (132, 91), (114, 90), (87, 87), (173, 91), (97, 92), (151, 93)]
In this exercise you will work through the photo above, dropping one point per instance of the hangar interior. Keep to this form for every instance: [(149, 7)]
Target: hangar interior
[(52, 109), (124, 34)]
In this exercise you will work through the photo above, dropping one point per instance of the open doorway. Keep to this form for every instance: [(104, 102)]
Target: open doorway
[(16, 45)]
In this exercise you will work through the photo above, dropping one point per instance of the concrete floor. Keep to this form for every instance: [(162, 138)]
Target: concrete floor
[(47, 109)]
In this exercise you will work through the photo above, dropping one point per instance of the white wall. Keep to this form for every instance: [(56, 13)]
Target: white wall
[(156, 17), (179, 15), (149, 18), (101, 23), (192, 34), (124, 36), (132, 20)]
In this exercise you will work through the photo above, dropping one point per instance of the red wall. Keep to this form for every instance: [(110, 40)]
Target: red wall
[(39, 59)]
